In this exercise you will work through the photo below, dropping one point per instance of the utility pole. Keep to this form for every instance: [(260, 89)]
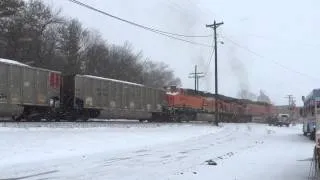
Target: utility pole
[(214, 26), (290, 105), (199, 75), (196, 75)]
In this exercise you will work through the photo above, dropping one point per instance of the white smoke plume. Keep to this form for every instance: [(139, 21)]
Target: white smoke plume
[(240, 72)]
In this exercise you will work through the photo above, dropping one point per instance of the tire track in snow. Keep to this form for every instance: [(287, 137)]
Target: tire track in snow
[(178, 156), (230, 154), (166, 155), (31, 175)]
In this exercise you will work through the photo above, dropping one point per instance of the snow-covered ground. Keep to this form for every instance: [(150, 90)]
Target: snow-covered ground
[(171, 151)]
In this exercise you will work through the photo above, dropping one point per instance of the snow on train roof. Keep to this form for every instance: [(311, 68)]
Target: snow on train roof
[(173, 93), (114, 80), (8, 61)]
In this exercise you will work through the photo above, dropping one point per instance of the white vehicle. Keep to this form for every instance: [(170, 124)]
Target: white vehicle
[(283, 119)]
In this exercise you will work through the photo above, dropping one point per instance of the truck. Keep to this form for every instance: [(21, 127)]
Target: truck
[(283, 119), (280, 120)]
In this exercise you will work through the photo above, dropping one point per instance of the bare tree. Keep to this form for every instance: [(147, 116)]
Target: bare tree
[(52, 58), (11, 26), (10, 7), (96, 55), (32, 32), (24, 31), (124, 63), (159, 75), (70, 40), (40, 19)]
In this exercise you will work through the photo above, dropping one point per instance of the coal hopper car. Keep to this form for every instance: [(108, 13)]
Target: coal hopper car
[(86, 96), (27, 92)]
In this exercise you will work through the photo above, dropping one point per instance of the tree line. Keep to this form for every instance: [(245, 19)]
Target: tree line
[(34, 33)]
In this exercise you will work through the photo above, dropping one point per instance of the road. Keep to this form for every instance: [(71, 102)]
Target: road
[(241, 151)]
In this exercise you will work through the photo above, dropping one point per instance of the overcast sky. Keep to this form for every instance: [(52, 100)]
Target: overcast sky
[(276, 50)]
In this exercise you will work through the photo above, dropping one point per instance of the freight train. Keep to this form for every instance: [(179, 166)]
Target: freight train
[(32, 94)]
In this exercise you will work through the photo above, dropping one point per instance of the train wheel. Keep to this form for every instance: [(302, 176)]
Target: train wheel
[(19, 118), (49, 116), (70, 116), (94, 113), (183, 117), (84, 117), (34, 117)]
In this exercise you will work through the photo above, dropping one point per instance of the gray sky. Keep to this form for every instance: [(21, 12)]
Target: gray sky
[(285, 34)]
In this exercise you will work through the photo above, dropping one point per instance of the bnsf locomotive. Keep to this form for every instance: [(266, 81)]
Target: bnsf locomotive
[(32, 94), (186, 104)]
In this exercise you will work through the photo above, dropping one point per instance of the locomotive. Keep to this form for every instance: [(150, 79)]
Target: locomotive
[(189, 105), (33, 94)]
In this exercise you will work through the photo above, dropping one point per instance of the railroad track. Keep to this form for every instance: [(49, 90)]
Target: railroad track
[(90, 124)]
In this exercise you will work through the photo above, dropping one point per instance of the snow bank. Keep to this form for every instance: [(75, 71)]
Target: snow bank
[(20, 145), (242, 151)]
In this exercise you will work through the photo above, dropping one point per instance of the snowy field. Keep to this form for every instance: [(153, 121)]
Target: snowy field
[(155, 151)]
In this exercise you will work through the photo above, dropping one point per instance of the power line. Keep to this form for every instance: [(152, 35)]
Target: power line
[(260, 56), (210, 58), (243, 47), (212, 52), (164, 33)]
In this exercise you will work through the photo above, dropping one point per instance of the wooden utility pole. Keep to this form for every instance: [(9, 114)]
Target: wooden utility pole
[(196, 75), (290, 105), (214, 26)]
